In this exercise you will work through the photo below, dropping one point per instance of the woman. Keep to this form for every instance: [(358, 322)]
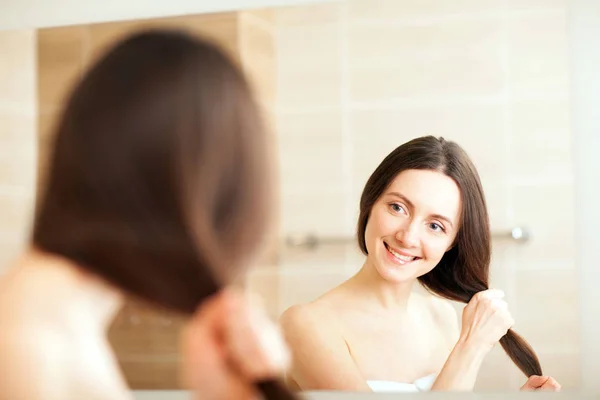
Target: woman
[(423, 220), (156, 189)]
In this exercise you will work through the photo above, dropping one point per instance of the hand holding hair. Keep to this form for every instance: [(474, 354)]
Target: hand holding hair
[(486, 319), (232, 351), (541, 383)]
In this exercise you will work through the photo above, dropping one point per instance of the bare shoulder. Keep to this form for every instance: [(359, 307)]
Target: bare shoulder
[(318, 347), (300, 319), (317, 314), (444, 311), (33, 364), (447, 318)]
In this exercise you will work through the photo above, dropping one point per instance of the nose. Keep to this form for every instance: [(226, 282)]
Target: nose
[(408, 235)]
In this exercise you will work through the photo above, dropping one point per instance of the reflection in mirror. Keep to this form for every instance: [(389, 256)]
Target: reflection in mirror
[(356, 79), (344, 83)]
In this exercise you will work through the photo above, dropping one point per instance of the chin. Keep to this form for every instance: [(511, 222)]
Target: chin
[(394, 274)]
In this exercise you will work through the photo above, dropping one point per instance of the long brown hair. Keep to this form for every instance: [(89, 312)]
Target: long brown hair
[(160, 179), (464, 269)]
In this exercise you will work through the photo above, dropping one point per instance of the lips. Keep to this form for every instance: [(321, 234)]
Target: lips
[(400, 257)]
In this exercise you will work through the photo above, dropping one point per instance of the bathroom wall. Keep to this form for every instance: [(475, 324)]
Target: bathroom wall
[(17, 139), (357, 78)]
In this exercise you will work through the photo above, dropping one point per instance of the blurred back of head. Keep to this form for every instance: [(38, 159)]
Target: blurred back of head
[(159, 180)]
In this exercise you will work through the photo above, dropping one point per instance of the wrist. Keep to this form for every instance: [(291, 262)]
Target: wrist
[(462, 367), (472, 347)]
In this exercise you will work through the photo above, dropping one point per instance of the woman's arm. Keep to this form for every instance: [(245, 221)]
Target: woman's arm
[(320, 357), (461, 368), (462, 365), (484, 321)]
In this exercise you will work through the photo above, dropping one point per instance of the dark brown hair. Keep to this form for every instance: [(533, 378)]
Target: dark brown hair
[(464, 269), (159, 176)]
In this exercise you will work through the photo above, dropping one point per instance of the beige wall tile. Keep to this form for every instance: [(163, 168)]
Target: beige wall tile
[(321, 212), (447, 59), (330, 258), (548, 211), (266, 15), (309, 14), (497, 199), (309, 66), (302, 287), (17, 68), (547, 312), (541, 141), (265, 283), (310, 151), (355, 259), (17, 134), (537, 4), (494, 374), (257, 47), (478, 128), (61, 54), (538, 55), (8, 254), (16, 216), (19, 170), (407, 9), (501, 268)]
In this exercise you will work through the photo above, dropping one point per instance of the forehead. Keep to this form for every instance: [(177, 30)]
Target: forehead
[(430, 192)]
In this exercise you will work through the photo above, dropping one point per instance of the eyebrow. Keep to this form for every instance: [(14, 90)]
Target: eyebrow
[(411, 205)]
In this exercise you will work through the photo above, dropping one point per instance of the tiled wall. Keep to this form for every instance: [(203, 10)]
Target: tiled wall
[(17, 139), (358, 78)]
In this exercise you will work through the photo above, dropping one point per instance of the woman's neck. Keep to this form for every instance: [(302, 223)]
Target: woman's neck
[(84, 292), (372, 287)]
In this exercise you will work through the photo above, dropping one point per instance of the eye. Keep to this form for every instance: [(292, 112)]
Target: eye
[(436, 227), (397, 208)]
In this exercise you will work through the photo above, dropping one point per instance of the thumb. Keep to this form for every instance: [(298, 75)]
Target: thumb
[(536, 381)]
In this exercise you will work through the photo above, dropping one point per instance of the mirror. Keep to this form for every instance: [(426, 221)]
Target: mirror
[(342, 84)]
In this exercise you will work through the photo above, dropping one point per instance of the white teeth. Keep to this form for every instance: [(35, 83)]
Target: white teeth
[(399, 256)]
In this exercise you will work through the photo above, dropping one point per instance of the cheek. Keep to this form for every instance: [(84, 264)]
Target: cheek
[(378, 226), (383, 223)]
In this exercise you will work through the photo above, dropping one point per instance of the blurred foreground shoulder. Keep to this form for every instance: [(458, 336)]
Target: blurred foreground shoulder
[(32, 365)]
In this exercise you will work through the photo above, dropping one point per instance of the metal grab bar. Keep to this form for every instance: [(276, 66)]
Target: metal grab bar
[(311, 241)]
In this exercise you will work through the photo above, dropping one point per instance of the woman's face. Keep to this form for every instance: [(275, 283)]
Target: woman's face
[(412, 224)]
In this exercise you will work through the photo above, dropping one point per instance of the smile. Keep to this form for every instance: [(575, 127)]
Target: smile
[(401, 259)]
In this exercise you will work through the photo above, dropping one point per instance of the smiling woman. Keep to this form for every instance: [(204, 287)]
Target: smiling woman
[(423, 218)]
